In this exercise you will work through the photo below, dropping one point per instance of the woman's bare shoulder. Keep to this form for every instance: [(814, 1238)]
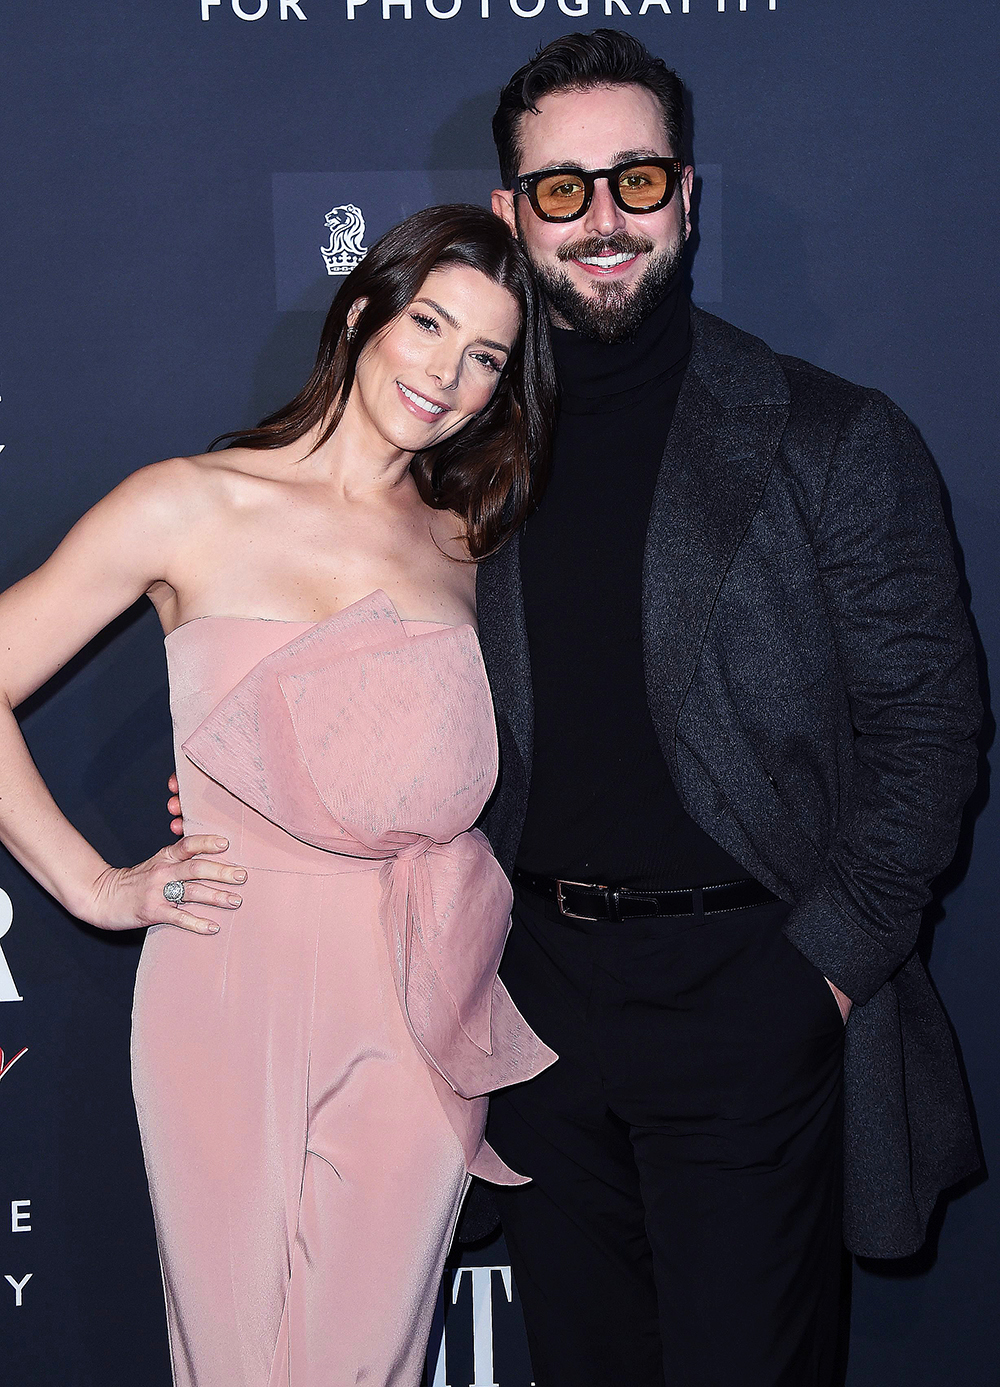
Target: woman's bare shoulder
[(186, 489)]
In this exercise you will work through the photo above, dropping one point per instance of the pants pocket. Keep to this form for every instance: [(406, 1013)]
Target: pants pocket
[(815, 979)]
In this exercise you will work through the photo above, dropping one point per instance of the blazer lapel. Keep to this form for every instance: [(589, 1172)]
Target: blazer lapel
[(727, 426), (504, 642)]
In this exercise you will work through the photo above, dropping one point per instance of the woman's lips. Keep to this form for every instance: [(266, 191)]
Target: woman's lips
[(421, 405)]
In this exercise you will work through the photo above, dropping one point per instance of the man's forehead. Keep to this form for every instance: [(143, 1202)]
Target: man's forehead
[(595, 128), (619, 156)]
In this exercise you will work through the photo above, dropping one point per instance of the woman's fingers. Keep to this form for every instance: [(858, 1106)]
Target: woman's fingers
[(201, 870), (197, 894), (184, 861), (193, 845), (182, 920), (174, 806)]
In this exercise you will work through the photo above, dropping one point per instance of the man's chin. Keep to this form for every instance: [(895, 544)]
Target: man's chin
[(607, 310)]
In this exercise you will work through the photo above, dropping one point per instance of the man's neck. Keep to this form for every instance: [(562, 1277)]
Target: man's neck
[(660, 345)]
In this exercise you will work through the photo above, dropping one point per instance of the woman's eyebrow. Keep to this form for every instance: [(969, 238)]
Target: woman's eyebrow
[(497, 346), (449, 318)]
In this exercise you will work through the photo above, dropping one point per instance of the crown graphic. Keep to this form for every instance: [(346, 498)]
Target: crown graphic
[(346, 225), (341, 262)]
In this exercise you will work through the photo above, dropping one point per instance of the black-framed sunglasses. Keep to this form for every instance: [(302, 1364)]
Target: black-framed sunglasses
[(562, 195)]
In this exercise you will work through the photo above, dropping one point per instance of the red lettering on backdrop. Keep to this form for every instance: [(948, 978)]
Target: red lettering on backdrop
[(4, 1066)]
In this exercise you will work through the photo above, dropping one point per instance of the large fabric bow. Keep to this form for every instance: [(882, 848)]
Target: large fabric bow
[(361, 739)]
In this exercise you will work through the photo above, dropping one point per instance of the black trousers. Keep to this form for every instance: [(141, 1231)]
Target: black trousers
[(683, 1227)]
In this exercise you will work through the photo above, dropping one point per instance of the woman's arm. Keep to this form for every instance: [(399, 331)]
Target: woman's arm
[(134, 538)]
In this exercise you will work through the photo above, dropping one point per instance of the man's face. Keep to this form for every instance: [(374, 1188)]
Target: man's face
[(597, 129)]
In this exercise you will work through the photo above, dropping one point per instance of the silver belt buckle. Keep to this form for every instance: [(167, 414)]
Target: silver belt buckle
[(588, 886)]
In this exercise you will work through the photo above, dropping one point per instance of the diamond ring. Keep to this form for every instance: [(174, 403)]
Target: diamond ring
[(174, 892)]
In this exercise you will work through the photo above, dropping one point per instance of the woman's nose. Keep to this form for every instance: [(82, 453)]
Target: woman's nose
[(445, 370)]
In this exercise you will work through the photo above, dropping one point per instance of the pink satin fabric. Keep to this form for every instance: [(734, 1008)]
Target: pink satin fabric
[(310, 1082)]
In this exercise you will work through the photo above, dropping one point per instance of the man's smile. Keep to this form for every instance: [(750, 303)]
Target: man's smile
[(612, 257), (605, 264)]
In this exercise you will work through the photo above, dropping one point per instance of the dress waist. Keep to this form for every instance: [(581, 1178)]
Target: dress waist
[(260, 846)]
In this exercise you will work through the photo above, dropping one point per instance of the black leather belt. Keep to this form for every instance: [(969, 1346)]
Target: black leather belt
[(579, 900)]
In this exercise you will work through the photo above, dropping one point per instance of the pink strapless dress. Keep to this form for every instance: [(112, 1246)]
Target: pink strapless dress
[(311, 1081)]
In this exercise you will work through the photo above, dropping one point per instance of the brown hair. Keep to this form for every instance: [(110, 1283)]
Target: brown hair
[(491, 472), (574, 62)]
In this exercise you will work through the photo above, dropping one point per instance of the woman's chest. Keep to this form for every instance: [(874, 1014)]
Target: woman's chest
[(307, 565)]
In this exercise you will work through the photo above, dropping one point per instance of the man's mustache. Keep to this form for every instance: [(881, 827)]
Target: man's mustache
[(622, 243)]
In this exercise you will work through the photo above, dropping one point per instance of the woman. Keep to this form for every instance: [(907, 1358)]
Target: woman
[(310, 1051)]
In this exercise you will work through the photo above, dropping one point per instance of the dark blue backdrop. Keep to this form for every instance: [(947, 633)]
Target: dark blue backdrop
[(170, 168)]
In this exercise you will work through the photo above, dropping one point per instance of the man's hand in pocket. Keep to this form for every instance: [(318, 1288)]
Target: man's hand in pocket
[(843, 1001)]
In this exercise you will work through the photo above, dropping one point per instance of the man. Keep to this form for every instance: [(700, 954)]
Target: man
[(736, 697)]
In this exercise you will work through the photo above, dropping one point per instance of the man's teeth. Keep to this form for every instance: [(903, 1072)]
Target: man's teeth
[(419, 400), (607, 262)]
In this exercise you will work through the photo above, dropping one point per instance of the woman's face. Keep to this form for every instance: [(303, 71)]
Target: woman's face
[(437, 365)]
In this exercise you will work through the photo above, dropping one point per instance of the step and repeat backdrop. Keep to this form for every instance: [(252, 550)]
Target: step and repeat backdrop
[(187, 182)]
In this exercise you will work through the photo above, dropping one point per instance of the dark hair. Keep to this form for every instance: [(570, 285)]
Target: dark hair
[(491, 472), (605, 58)]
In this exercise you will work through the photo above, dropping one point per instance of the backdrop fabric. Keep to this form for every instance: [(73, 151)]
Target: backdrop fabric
[(187, 183)]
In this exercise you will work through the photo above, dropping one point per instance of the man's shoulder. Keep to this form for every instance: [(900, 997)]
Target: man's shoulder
[(822, 411), (741, 368)]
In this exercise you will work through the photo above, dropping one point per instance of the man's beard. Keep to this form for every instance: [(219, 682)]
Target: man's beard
[(612, 313)]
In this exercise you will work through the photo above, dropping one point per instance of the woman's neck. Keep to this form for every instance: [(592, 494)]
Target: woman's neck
[(356, 460)]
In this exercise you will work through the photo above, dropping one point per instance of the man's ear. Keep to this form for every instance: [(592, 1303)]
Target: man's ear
[(502, 200), (687, 184)]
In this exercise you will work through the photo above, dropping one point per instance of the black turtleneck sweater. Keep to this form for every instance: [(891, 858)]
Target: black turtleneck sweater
[(602, 806)]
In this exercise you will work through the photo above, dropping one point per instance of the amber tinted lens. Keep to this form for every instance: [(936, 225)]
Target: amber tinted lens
[(560, 194), (642, 186)]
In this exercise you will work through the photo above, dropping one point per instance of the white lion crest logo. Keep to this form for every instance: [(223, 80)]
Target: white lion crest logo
[(347, 231)]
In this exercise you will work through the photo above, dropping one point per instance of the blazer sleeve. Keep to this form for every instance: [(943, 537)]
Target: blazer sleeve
[(907, 658)]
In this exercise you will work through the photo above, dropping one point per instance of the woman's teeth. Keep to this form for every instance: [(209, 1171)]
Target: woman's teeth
[(419, 400)]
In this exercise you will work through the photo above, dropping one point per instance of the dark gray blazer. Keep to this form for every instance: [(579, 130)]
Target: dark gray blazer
[(811, 677)]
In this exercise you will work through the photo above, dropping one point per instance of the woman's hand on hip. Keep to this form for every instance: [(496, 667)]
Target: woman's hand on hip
[(132, 897)]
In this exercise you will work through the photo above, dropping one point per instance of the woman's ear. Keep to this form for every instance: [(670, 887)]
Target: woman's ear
[(355, 311)]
